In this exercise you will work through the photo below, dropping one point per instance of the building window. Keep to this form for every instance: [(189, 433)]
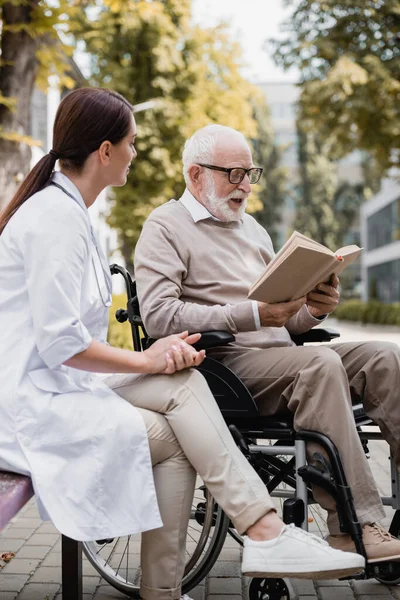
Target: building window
[(384, 282), (384, 226)]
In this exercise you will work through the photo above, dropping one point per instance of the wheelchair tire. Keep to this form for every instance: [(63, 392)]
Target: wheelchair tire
[(268, 589), (117, 560), (393, 578)]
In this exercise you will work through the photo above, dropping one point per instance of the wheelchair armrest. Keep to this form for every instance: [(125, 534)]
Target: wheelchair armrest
[(212, 339), (315, 335)]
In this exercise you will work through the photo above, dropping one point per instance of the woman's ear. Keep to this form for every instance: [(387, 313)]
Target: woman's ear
[(105, 152)]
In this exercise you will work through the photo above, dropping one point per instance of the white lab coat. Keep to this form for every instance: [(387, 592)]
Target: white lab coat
[(85, 448)]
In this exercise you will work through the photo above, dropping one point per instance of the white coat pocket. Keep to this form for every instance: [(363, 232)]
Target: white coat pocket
[(54, 381)]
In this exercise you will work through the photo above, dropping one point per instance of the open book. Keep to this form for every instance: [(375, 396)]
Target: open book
[(298, 267)]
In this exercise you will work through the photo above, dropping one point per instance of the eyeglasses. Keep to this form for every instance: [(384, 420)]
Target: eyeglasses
[(237, 174)]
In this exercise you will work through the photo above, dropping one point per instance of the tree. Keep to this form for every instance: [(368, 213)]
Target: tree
[(273, 184), (348, 55), (30, 51), (149, 50)]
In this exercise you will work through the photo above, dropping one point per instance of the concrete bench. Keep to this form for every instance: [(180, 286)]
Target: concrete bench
[(15, 491)]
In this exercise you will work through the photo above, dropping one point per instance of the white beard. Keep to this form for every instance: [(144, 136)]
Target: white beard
[(219, 207)]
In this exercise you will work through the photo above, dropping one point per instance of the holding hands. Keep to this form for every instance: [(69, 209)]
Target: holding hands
[(174, 353)]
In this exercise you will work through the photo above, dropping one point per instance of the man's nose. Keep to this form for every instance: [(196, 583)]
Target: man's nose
[(244, 185)]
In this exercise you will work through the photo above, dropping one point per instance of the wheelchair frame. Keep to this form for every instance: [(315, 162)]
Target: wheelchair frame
[(241, 415)]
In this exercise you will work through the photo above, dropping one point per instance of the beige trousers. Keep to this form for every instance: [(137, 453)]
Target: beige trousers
[(187, 434), (318, 384)]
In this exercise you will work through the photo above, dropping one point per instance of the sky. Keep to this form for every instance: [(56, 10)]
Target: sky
[(251, 22)]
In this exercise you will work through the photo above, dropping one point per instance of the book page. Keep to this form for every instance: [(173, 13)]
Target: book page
[(288, 280)]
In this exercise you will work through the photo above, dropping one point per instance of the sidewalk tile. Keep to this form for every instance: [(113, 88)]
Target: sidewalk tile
[(33, 552), (20, 565), (46, 575), (13, 583), (220, 585), (39, 591)]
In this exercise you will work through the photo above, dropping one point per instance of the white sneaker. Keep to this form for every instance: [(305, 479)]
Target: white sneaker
[(185, 597), (296, 553)]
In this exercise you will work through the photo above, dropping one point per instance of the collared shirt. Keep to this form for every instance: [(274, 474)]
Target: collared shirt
[(198, 213)]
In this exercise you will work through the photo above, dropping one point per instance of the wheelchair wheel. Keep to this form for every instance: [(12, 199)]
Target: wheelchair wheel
[(118, 560), (393, 578), (268, 589)]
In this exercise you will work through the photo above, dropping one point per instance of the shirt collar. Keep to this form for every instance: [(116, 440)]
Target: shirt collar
[(197, 210), (66, 183)]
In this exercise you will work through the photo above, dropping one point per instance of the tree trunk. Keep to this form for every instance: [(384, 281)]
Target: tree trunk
[(17, 77)]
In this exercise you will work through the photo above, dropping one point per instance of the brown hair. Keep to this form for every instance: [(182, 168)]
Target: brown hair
[(85, 119)]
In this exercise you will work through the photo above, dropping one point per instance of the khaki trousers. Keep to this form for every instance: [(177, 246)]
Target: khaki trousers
[(317, 384), (187, 434)]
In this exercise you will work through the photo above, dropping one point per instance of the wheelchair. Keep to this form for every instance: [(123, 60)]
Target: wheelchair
[(278, 454)]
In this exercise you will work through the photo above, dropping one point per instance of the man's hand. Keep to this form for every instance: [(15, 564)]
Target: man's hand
[(276, 315), (173, 353), (324, 298)]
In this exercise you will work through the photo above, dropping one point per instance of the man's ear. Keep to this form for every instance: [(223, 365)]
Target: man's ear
[(195, 172), (105, 151)]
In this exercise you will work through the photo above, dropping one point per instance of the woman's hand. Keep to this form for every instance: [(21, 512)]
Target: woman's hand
[(173, 353)]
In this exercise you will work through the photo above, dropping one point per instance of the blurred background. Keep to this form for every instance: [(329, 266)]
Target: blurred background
[(313, 84)]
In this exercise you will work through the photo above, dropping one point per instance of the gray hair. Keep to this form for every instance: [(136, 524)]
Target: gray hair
[(200, 147)]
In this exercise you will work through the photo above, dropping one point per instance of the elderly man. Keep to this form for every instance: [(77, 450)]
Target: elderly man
[(195, 261)]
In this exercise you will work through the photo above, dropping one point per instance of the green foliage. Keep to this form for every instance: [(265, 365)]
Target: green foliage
[(272, 188), (119, 334), (369, 312), (149, 51), (349, 57)]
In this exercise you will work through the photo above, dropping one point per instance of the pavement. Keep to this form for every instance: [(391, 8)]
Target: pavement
[(35, 571)]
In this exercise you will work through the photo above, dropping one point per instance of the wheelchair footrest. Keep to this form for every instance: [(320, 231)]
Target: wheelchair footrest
[(293, 511)]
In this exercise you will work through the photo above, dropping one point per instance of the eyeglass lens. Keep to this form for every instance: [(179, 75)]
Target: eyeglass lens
[(237, 175)]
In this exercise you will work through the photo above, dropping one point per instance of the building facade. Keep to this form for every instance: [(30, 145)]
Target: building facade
[(380, 236)]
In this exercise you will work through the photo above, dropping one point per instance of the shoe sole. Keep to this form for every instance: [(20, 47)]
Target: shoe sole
[(337, 574), (372, 561)]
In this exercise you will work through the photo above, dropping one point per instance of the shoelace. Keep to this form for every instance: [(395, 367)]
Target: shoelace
[(303, 535), (380, 532)]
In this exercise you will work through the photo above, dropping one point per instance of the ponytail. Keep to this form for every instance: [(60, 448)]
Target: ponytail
[(35, 181), (85, 118)]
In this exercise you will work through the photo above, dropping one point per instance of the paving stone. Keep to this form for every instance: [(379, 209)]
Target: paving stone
[(46, 575), (106, 592), (336, 593), (308, 597), (39, 591), (47, 527), (24, 521), (21, 532), (53, 559), (8, 595), (42, 539), (303, 586), (215, 597), (199, 593), (221, 585), (331, 583), (370, 587), (33, 551), (10, 545), (372, 597), (226, 569), (20, 565), (229, 554), (13, 583)]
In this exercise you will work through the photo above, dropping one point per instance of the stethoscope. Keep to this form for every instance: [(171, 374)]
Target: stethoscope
[(106, 272)]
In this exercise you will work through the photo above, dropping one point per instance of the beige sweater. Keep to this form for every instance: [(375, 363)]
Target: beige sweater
[(196, 276)]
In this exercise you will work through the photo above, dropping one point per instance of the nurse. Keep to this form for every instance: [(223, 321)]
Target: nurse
[(111, 462)]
